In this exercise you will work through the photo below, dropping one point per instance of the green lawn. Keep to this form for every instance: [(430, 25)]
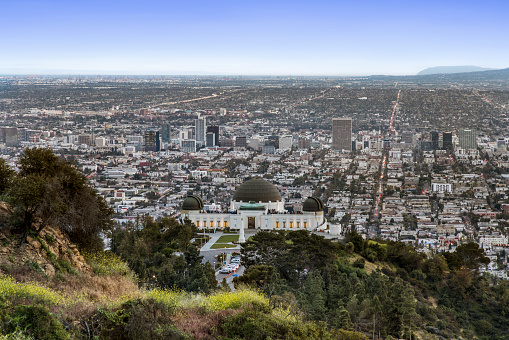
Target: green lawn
[(228, 238), (222, 245)]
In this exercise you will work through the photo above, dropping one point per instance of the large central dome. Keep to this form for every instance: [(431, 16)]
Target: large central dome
[(257, 190)]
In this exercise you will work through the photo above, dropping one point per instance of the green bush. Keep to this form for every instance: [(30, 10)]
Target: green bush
[(138, 319), (37, 322), (256, 322)]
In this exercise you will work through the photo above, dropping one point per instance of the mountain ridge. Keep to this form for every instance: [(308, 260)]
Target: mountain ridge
[(452, 69)]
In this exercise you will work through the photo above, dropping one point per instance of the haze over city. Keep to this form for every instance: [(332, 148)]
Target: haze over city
[(250, 38)]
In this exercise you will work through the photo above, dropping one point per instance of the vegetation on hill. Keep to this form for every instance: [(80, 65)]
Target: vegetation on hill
[(48, 190), (161, 255), (382, 289)]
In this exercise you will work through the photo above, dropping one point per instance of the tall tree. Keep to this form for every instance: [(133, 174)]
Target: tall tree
[(6, 176), (50, 191)]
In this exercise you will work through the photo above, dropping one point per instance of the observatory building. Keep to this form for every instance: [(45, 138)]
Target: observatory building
[(257, 204)]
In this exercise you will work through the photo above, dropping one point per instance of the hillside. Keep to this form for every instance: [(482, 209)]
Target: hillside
[(100, 299)]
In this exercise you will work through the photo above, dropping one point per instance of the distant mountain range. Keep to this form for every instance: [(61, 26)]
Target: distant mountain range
[(489, 79), (451, 69)]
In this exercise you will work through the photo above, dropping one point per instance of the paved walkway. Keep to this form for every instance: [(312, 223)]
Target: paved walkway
[(213, 239)]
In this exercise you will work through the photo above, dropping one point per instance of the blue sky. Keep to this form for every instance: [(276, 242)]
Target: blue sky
[(250, 37)]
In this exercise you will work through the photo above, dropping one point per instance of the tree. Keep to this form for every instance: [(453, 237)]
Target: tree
[(50, 191), (6, 176), (344, 320), (471, 255)]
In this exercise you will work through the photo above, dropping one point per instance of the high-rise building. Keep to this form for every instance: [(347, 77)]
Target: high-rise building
[(447, 140), (165, 133), (10, 136), (500, 143), (304, 143), (342, 134), (241, 142), (215, 130), (211, 139), (467, 139), (273, 140), (86, 139), (407, 137), (188, 145), (152, 141), (200, 128), (285, 142), (434, 140)]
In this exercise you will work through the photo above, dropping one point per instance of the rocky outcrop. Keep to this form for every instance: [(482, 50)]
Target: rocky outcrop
[(50, 252)]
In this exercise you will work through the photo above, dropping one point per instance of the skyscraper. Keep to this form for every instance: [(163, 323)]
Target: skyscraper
[(467, 139), (152, 142), (165, 132), (447, 140), (434, 140), (200, 128), (342, 134), (215, 130)]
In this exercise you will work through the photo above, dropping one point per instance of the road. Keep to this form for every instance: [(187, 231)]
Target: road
[(373, 228), (230, 277)]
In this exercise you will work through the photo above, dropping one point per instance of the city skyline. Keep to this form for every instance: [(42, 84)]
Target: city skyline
[(234, 38)]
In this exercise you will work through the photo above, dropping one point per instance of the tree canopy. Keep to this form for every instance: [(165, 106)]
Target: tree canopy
[(49, 190)]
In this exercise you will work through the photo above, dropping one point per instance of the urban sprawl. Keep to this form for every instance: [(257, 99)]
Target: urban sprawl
[(425, 165)]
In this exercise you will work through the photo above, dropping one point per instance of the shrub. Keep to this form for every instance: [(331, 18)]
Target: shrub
[(256, 322), (107, 263), (137, 319), (359, 263), (38, 323)]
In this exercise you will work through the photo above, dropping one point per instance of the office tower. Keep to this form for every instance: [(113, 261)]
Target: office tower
[(241, 142), (165, 133), (467, 139), (273, 140), (10, 136), (200, 128), (215, 130), (226, 143), (447, 140), (500, 143), (188, 145), (100, 141), (407, 137), (152, 141), (211, 139), (268, 149), (342, 134), (255, 143), (434, 140), (285, 142), (85, 139), (304, 143)]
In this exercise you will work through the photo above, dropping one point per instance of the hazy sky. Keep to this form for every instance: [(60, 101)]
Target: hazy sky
[(313, 37)]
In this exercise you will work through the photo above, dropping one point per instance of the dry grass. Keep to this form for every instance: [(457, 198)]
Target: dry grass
[(199, 324), (97, 289)]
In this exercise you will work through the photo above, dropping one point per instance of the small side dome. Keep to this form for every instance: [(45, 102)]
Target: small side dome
[(192, 203), (313, 204)]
